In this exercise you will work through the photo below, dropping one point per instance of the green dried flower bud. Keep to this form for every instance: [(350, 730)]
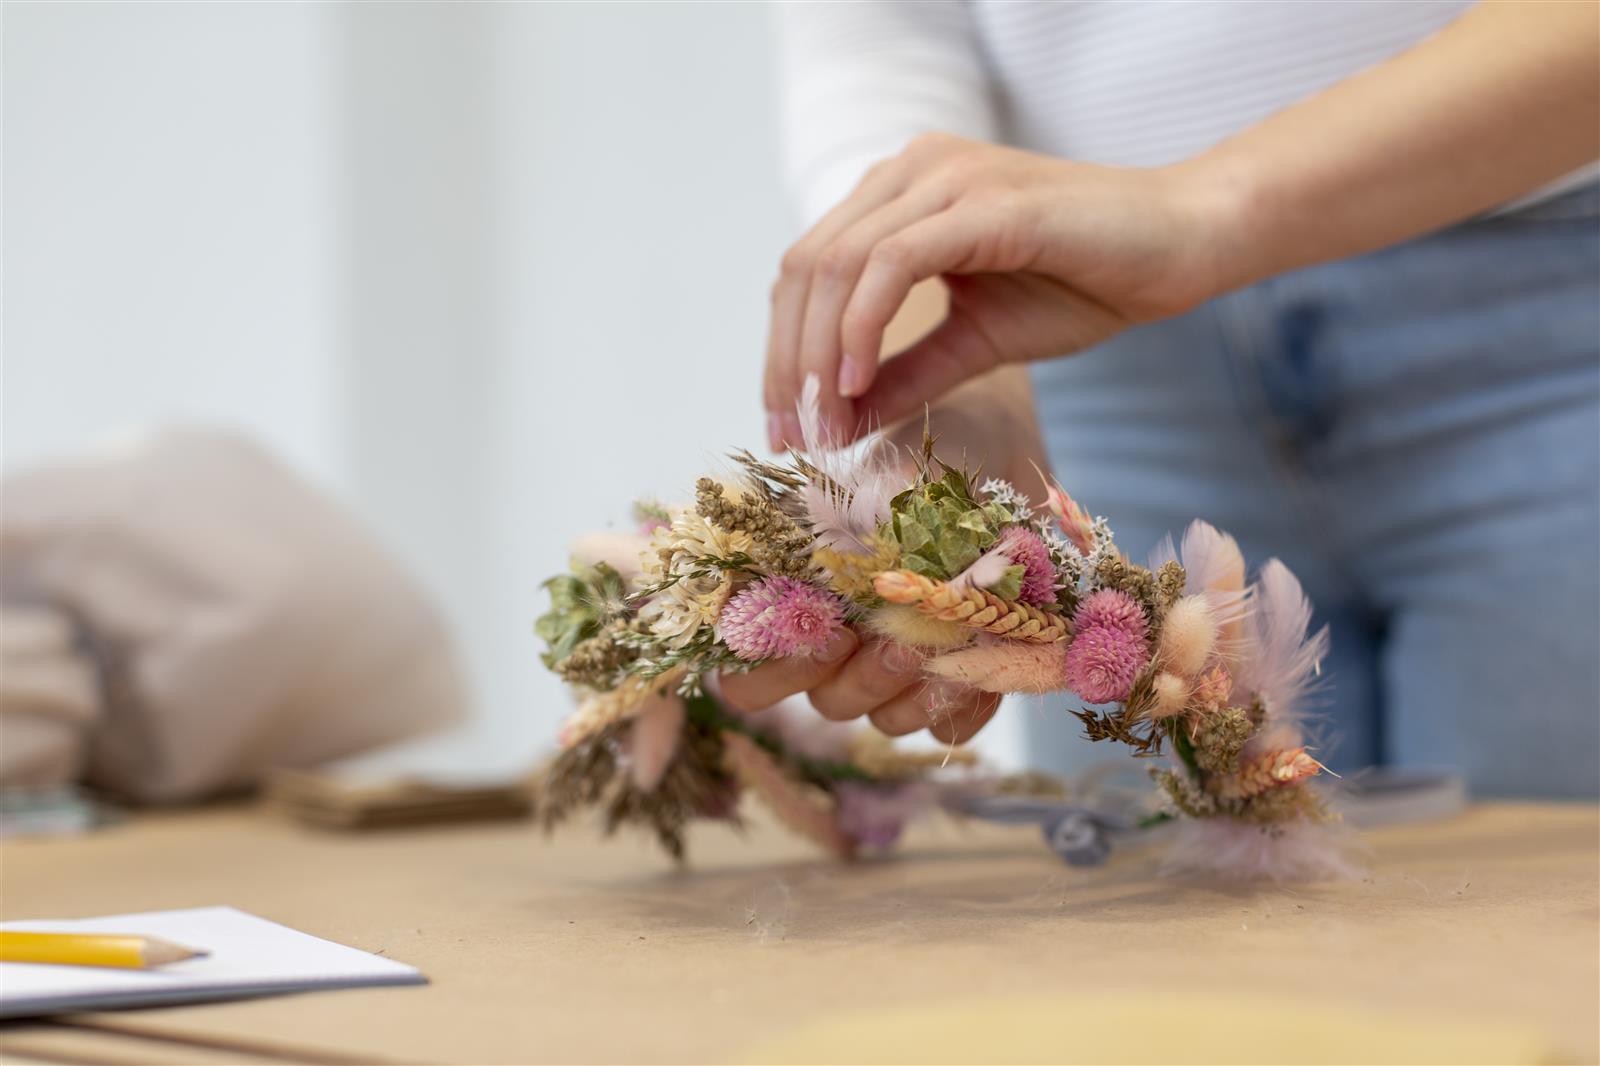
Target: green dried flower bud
[(1220, 738)]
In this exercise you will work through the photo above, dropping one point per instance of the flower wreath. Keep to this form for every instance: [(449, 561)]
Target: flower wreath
[(1189, 665)]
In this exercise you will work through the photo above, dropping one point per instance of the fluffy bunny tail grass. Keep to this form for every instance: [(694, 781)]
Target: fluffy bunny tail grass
[(1244, 851)]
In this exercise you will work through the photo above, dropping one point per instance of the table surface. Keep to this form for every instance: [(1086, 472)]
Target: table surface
[(578, 950)]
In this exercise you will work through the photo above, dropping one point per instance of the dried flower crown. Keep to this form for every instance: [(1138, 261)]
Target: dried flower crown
[(1183, 657)]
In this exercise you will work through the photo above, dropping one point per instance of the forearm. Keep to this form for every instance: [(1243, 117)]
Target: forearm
[(1498, 103)]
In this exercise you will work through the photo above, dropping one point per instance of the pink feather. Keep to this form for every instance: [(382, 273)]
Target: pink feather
[(846, 509), (653, 739), (1214, 566), (989, 568), (1242, 851), (1280, 662)]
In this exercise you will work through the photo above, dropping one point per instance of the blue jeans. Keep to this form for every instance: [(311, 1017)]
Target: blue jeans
[(1416, 432)]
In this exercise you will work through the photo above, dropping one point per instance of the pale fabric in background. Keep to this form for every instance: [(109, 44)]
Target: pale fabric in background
[(183, 613), (484, 271)]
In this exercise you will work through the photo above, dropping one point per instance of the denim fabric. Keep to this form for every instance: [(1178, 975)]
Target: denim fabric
[(1416, 432)]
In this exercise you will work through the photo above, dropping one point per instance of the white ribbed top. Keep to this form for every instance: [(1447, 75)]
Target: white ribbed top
[(1119, 82)]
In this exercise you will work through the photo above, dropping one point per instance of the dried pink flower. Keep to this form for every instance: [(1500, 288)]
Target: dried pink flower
[(1214, 688), (778, 617), (1110, 607), (1109, 649), (874, 815), (1027, 550), (1267, 771), (1074, 520)]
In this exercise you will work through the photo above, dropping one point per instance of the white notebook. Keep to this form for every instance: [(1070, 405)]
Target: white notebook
[(249, 956)]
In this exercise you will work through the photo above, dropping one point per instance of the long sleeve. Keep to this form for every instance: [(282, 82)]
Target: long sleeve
[(860, 79)]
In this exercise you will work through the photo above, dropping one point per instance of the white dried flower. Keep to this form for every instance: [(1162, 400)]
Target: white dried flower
[(1000, 491), (682, 550)]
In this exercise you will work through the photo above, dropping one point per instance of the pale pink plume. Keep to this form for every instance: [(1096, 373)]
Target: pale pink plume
[(1280, 663), (846, 510), (1213, 566), (1000, 665), (1229, 849), (1169, 695), (653, 739), (1188, 636), (987, 571), (802, 811)]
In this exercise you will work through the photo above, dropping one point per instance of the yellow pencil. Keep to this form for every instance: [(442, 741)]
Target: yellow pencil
[(91, 949)]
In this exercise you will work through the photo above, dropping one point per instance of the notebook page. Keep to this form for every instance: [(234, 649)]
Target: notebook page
[(248, 956)]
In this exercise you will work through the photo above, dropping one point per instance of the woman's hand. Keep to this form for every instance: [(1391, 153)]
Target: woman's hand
[(1041, 256), (855, 677), (1045, 257), (988, 423)]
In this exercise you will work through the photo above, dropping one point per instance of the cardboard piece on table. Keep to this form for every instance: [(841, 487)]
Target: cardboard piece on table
[(336, 801)]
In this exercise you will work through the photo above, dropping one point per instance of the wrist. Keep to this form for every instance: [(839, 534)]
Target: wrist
[(1217, 196)]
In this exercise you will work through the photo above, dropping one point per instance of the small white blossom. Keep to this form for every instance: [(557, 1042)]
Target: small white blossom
[(1004, 492)]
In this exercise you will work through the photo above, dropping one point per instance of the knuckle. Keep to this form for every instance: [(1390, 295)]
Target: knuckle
[(933, 142), (880, 685), (832, 704), (890, 253), (835, 263), (965, 172), (895, 721), (877, 172), (796, 263)]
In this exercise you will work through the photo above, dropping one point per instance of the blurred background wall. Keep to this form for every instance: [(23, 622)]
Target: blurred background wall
[(484, 271)]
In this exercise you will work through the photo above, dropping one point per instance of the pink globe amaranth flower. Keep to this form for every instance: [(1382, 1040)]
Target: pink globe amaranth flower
[(1027, 550), (1109, 648), (777, 617)]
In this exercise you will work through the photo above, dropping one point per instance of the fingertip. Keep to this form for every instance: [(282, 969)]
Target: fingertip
[(960, 724), (855, 377), (840, 647), (789, 430), (898, 719)]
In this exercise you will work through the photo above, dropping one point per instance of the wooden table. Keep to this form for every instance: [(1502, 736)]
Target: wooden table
[(1486, 926)]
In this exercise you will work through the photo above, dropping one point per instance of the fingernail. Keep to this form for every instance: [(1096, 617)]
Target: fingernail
[(900, 659), (774, 432), (853, 378), (791, 431), (838, 648)]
